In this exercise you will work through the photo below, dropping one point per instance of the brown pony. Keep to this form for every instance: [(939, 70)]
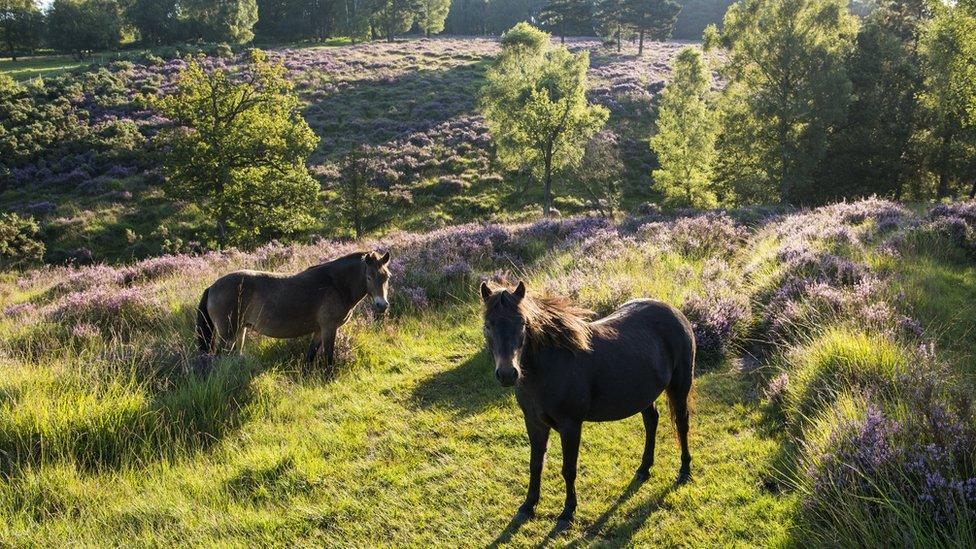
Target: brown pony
[(567, 370), (315, 301)]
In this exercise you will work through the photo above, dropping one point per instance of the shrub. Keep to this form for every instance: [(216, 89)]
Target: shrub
[(19, 243)]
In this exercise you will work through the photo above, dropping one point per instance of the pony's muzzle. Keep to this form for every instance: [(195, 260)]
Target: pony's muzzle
[(506, 376), (380, 305)]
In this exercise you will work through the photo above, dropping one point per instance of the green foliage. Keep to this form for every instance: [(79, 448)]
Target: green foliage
[(653, 19), (84, 26), (686, 132), (949, 96), (875, 151), (21, 26), (599, 177), (20, 245), (395, 17), (567, 17), (696, 15), (431, 15), (535, 104), (611, 19), (240, 144), (787, 90), (157, 21), (221, 21), (359, 197)]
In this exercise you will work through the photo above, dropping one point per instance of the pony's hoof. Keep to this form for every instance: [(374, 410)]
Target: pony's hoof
[(563, 524), (683, 477), (523, 516), (642, 476)]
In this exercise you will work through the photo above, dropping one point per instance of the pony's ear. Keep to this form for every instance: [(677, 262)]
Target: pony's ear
[(485, 291), (519, 292), (385, 259)]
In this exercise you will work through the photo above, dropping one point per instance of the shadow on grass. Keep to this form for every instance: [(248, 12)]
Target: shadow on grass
[(466, 389)]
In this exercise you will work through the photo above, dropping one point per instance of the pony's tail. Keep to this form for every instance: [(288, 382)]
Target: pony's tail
[(205, 325)]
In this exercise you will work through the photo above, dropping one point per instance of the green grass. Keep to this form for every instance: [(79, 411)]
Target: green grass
[(33, 67), (417, 446)]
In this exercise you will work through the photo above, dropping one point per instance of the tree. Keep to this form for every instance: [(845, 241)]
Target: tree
[(220, 20), (396, 16), (600, 173), (358, 196), (431, 15), (20, 243), (157, 21), (787, 91), (611, 18), (686, 131), (353, 18), (875, 152), (84, 26), (535, 105), (21, 26), (949, 96), (653, 18), (563, 17), (239, 145)]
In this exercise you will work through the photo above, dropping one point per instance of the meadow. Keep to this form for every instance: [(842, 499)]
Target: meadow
[(83, 163), (832, 397)]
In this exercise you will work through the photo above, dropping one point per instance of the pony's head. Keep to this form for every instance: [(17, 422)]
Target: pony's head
[(377, 279), (515, 321)]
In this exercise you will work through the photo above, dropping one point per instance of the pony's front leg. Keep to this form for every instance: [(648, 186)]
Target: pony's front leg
[(313, 349), (569, 434), (539, 441), (328, 345)]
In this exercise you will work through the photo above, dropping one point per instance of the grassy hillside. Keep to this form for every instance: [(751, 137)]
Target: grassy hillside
[(836, 353), (83, 161)]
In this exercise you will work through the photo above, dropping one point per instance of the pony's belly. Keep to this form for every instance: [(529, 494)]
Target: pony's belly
[(279, 331)]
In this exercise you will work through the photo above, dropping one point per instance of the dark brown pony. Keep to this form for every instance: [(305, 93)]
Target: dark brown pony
[(567, 370), (315, 301)]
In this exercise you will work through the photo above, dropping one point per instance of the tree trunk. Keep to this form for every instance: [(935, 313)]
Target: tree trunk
[(943, 190), (618, 41), (547, 195), (640, 44), (972, 191)]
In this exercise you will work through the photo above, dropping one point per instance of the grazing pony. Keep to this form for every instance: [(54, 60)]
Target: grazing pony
[(567, 370), (315, 301)]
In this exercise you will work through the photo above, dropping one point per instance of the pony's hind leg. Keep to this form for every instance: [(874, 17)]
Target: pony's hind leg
[(650, 416), (678, 401)]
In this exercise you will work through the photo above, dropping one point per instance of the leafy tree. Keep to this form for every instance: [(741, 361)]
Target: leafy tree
[(563, 17), (874, 153), (84, 26), (21, 26), (599, 175), (949, 96), (611, 18), (653, 18), (686, 131), (535, 105), (353, 18), (359, 195), (239, 145), (229, 21), (156, 20), (787, 91), (431, 15), (395, 17)]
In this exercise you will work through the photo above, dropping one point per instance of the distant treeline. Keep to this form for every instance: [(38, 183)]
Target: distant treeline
[(84, 26)]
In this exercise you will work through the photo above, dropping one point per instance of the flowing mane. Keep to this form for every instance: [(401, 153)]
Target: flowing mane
[(551, 321), (339, 262)]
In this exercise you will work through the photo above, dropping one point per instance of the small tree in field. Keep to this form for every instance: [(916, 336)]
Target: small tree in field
[(431, 15), (600, 174), (239, 146), (357, 196), (535, 104), (685, 142)]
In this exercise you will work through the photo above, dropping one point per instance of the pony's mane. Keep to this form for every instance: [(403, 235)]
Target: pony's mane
[(339, 262), (551, 321)]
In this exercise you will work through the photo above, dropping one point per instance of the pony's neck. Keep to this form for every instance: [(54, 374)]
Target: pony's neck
[(353, 284)]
